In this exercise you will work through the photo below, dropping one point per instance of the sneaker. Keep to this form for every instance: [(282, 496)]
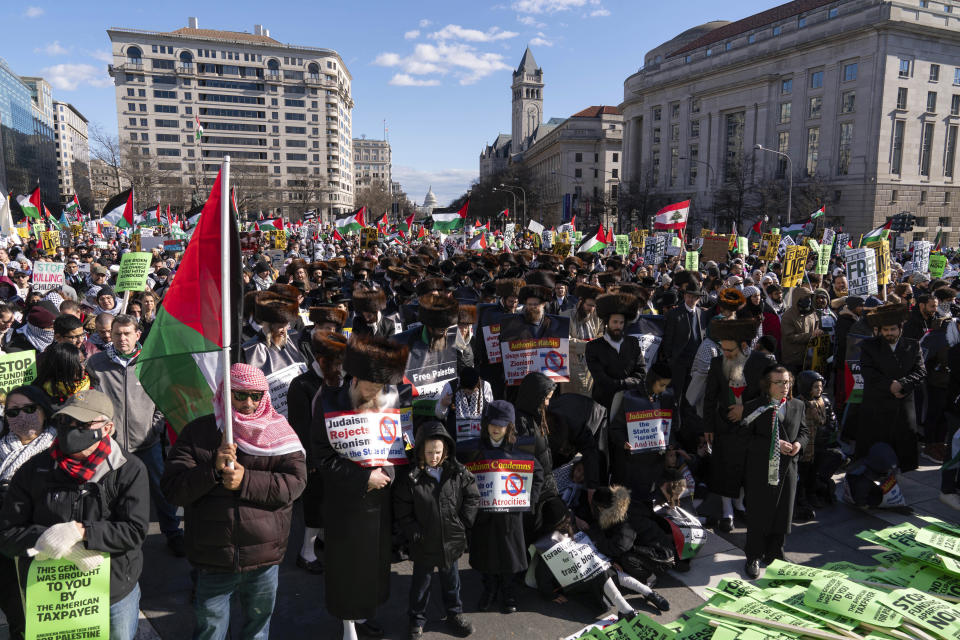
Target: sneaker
[(658, 601), (725, 525), (935, 453), (951, 500), (177, 545), (459, 625), (310, 566), (416, 632)]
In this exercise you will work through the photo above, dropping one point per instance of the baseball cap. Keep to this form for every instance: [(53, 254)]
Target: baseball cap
[(87, 406)]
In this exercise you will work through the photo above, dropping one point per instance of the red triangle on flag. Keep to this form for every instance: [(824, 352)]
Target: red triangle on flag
[(463, 210), (128, 209), (336, 235), (422, 233), (359, 217)]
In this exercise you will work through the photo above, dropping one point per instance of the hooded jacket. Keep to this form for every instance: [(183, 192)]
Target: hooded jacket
[(629, 532), (530, 396), (436, 515), (797, 329)]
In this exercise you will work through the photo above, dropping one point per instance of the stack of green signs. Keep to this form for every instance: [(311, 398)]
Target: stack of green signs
[(912, 594)]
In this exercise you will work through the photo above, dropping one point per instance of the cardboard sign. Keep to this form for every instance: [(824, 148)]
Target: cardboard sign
[(549, 356), (861, 272), (769, 242), (715, 249), (278, 238), (622, 244), (821, 348), (851, 600), (368, 237), (938, 263), (17, 368), (881, 251), (561, 249), (691, 261), (654, 250), (794, 265), (535, 227), (133, 271), (50, 240), (648, 430), (279, 382), (372, 439), (921, 255), (47, 276), (64, 602), (574, 559), (76, 230), (504, 484), (930, 612)]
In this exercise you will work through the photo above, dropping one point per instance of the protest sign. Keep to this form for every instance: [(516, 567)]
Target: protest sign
[(814, 246), (881, 250), (561, 249), (373, 439), (150, 243), (368, 238), (468, 428), (691, 261), (769, 242), (829, 235), (76, 229), (637, 237), (547, 238), (939, 540), (921, 255), (938, 263), (278, 238), (428, 370), (928, 611), (648, 429), (47, 276), (504, 484), (823, 260), (714, 249), (861, 272), (674, 246), (276, 258), (849, 599), (574, 559), (133, 271), (535, 227), (550, 356), (250, 241), (135, 242), (623, 244), (742, 246), (64, 602), (654, 249), (50, 240), (279, 382), (780, 569), (173, 246), (17, 368), (794, 265)]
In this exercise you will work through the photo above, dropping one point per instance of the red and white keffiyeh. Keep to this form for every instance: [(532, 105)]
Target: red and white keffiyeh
[(264, 432)]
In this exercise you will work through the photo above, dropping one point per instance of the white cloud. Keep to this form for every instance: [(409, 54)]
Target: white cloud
[(462, 61), (33, 12), (599, 13), (456, 32), (549, 6), (68, 77), (425, 23), (387, 60), (539, 41), (406, 80), (447, 184), (103, 56), (52, 49), (413, 34)]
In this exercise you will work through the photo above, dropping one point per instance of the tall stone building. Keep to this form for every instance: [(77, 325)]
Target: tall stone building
[(862, 96), (73, 152), (372, 161), (282, 112)]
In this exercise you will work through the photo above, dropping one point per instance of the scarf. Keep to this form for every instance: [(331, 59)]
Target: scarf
[(262, 283), (14, 453), (60, 391), (39, 338), (81, 470), (122, 359), (469, 404), (264, 432), (773, 452)]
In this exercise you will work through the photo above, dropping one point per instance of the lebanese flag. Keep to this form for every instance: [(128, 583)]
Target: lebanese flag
[(505, 213), (179, 363), (673, 216), (119, 210)]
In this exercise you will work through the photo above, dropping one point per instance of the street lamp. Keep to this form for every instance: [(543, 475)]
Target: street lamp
[(514, 196), (522, 191), (760, 147)]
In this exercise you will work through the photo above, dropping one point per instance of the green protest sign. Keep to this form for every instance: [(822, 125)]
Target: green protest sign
[(939, 540), (63, 601), (934, 559), (743, 247), (940, 524), (622, 244), (938, 262), (823, 259), (902, 537), (17, 368), (133, 271), (814, 245), (792, 599), (932, 581), (647, 629), (736, 587), (930, 612), (692, 261), (851, 600), (779, 569)]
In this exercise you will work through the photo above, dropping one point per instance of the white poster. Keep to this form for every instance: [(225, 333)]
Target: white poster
[(491, 339), (504, 484), (861, 272), (535, 226), (549, 356), (369, 439), (575, 559), (280, 384), (648, 430), (47, 276)]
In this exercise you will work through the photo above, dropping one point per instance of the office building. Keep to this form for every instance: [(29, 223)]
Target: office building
[(73, 153)]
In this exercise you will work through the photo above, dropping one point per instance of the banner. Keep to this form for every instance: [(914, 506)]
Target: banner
[(17, 368), (63, 602), (504, 484), (769, 242), (368, 238), (840, 243), (574, 559), (133, 271), (47, 276), (369, 439), (51, 240), (714, 249), (861, 272), (881, 250), (794, 265), (938, 263), (523, 354), (279, 382)]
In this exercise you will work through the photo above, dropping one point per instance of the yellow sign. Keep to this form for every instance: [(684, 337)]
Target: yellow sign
[(769, 243), (881, 249), (794, 265), (368, 237), (23, 232), (704, 233), (821, 350), (76, 230), (278, 238), (732, 237), (637, 238), (51, 240), (135, 242), (561, 248), (563, 237)]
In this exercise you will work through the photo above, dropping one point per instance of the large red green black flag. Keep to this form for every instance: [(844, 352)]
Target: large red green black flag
[(178, 365)]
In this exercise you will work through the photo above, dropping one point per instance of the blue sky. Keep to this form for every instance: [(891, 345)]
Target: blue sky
[(437, 72)]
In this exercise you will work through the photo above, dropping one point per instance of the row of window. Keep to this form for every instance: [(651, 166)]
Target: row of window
[(578, 157), (848, 74), (927, 130), (931, 106)]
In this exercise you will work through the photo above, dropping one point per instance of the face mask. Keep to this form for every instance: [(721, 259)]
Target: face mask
[(25, 424), (76, 440), (944, 308)]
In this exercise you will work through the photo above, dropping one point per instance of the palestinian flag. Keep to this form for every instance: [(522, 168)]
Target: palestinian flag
[(448, 222), (407, 224), (179, 364), (793, 230), (199, 133), (48, 217), (672, 216), (817, 214), (31, 205), (938, 240), (352, 223), (756, 228), (336, 235), (422, 233), (384, 221), (594, 243), (479, 242), (875, 235), (505, 213), (169, 217), (73, 206), (119, 210)]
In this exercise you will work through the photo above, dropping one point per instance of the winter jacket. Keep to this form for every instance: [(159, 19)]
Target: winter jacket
[(614, 370), (436, 515), (533, 391), (113, 507), (139, 424), (227, 530), (631, 536), (797, 331), (268, 358)]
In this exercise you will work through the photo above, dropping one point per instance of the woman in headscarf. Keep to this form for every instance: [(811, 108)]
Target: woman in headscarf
[(238, 500), (28, 432)]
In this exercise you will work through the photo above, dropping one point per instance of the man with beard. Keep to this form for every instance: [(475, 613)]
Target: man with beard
[(615, 360), (368, 319), (723, 410), (892, 368), (585, 324), (273, 348), (534, 297), (921, 317), (838, 289), (773, 308)]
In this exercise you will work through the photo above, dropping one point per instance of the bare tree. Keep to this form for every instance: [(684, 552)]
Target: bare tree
[(375, 197), (738, 197), (106, 148)]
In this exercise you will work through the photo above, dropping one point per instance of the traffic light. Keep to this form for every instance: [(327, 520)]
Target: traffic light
[(908, 222)]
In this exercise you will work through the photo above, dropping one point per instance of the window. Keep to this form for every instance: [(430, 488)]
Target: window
[(728, 46), (845, 148), (616, 157), (926, 148), (931, 101), (694, 128), (133, 136), (924, 4), (165, 108), (295, 103), (816, 80), (694, 105), (578, 173), (733, 144), (955, 105), (675, 111), (168, 152), (783, 146), (143, 107), (655, 168), (923, 197), (188, 96), (850, 72), (777, 30), (709, 51), (902, 98), (674, 166), (656, 114), (656, 135), (297, 143), (833, 13), (596, 157), (131, 93), (675, 133), (133, 122), (168, 137), (946, 200), (294, 116), (951, 152), (751, 38), (162, 64), (801, 22), (614, 173), (692, 157), (813, 150), (906, 65), (784, 116), (894, 195), (578, 157), (947, 8), (934, 73), (296, 130), (166, 123), (686, 59), (956, 75), (848, 101), (786, 86), (298, 157), (816, 106)]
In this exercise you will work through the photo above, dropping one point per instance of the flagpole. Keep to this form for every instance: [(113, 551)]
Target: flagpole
[(225, 298)]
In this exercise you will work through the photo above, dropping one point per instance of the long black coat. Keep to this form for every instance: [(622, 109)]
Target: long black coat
[(757, 362), (729, 461), (300, 397), (679, 347), (436, 515), (357, 522), (770, 507), (885, 418), (611, 369)]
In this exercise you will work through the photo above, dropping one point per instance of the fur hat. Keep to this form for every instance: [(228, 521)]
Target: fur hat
[(375, 359), (731, 299), (888, 315), (328, 344), (535, 291), (285, 290), (249, 303), (467, 314), (738, 331), (584, 291), (296, 263), (372, 300), (362, 265), (328, 313), (573, 261), (397, 273), (430, 284), (438, 310), (612, 504), (607, 278), (541, 278), (507, 287), (624, 304), (272, 307)]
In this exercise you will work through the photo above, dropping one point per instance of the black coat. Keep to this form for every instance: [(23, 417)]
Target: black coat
[(884, 417), (578, 426), (436, 515), (678, 347), (303, 389), (385, 327), (757, 362), (916, 325), (728, 463), (610, 369)]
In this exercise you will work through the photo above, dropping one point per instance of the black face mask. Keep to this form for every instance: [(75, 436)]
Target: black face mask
[(73, 440)]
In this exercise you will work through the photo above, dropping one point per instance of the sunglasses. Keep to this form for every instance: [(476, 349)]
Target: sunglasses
[(27, 408), (67, 422), (241, 396)]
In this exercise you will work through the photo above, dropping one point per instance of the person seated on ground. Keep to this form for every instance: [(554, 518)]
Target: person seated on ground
[(872, 481)]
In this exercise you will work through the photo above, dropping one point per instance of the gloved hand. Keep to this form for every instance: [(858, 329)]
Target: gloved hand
[(85, 559), (57, 540), (632, 383)]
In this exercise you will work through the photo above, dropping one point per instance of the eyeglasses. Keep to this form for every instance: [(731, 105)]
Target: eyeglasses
[(27, 408), (241, 396), (780, 382), (67, 422)]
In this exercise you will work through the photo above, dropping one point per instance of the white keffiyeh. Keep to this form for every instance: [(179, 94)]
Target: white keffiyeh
[(14, 453)]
